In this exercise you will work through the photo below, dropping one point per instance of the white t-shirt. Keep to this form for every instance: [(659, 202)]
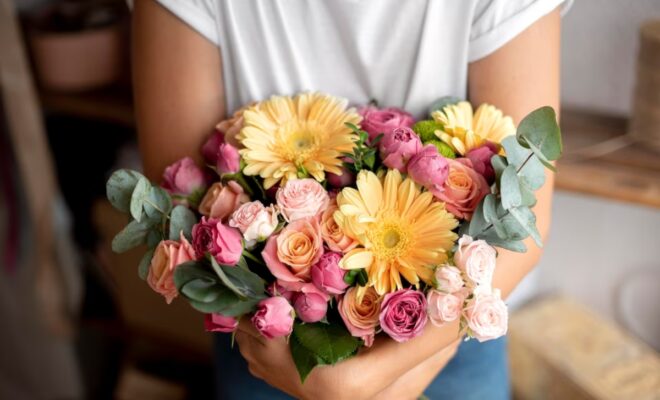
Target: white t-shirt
[(403, 53)]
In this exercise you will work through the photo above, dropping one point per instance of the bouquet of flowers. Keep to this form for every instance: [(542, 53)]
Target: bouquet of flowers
[(331, 225)]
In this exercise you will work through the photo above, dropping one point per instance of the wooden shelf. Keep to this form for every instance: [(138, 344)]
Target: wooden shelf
[(112, 104), (630, 173)]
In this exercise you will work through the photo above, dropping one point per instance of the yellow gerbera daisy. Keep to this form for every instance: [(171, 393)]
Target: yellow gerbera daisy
[(402, 230), (463, 132), (287, 137)]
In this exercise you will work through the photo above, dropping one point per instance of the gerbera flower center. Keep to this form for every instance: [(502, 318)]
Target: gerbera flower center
[(300, 141), (390, 240)]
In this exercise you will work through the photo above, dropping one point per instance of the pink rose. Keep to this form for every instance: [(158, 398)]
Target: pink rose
[(223, 155), (301, 198), (231, 127), (255, 221), (429, 169), (376, 121), (403, 314), (274, 317), (168, 255), (291, 254), (360, 315), (220, 323), (448, 279), (220, 201), (278, 289), (487, 315), (210, 147), (184, 178), (332, 234), (310, 307), (347, 178), (480, 158), (444, 307), (477, 258), (463, 189), (221, 241), (398, 146), (327, 275)]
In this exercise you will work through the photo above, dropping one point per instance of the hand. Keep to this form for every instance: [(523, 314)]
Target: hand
[(412, 384), (270, 360)]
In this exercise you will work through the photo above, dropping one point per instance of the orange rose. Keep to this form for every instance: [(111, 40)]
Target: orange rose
[(232, 126), (220, 201), (169, 254), (299, 245), (332, 234), (361, 317)]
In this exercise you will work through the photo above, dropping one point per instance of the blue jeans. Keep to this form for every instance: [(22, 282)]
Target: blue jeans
[(478, 371)]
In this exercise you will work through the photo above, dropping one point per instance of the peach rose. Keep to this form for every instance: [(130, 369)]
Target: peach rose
[(477, 258), (232, 126), (220, 201), (301, 198), (463, 189), (487, 315), (168, 255), (361, 317), (290, 254), (332, 234)]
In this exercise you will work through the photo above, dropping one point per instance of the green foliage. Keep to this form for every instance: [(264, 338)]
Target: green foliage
[(181, 220), (504, 217), (133, 235), (425, 129), (140, 193), (443, 148), (244, 283), (364, 155), (320, 344), (119, 188), (143, 268)]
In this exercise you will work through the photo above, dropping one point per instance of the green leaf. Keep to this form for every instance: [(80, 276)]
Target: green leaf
[(119, 188), (143, 268), (159, 198), (181, 220), (370, 159), (304, 359), (478, 222), (527, 220), (153, 238), (227, 303), (514, 245), (499, 163), (140, 192), (529, 169), (133, 235), (330, 343), (540, 130), (491, 216), (244, 283), (527, 196), (510, 188), (442, 102), (542, 158)]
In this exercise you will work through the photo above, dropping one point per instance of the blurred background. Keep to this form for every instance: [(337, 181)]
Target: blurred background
[(79, 323)]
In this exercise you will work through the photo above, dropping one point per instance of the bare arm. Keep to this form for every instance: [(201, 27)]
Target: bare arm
[(177, 83)]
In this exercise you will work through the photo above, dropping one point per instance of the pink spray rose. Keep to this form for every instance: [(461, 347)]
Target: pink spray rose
[(232, 126), (376, 121), (311, 306), (221, 241), (477, 258), (429, 169), (403, 314), (327, 275), (487, 315), (168, 255), (220, 323), (255, 221), (290, 254), (274, 317), (448, 279), (184, 178), (444, 307), (463, 189), (220, 201), (480, 158), (360, 316), (210, 147), (398, 146), (223, 155), (301, 198)]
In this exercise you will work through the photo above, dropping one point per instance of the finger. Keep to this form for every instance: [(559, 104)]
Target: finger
[(245, 326)]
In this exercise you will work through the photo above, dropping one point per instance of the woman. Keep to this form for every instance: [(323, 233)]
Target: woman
[(196, 61)]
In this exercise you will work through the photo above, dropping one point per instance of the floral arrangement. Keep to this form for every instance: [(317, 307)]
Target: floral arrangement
[(331, 225)]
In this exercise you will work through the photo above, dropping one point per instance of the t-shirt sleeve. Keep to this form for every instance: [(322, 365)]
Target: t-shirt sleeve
[(496, 22), (198, 14)]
